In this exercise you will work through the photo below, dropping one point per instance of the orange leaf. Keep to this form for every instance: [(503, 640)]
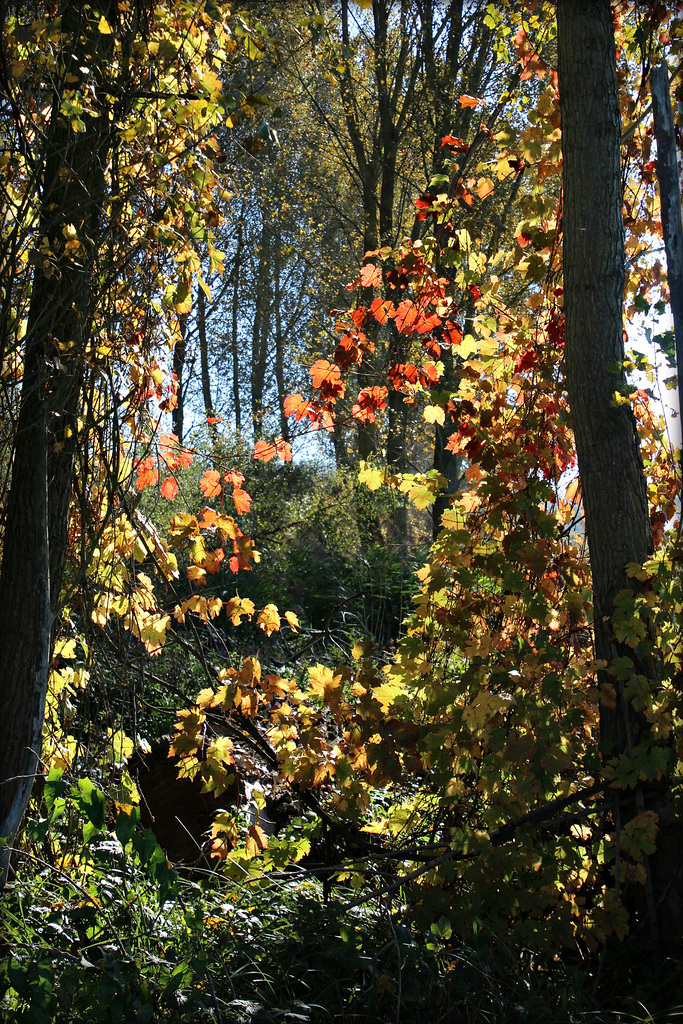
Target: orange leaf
[(242, 500), (264, 451), (469, 101), (284, 450), (292, 403), (169, 488), (370, 276), (210, 483), (322, 371)]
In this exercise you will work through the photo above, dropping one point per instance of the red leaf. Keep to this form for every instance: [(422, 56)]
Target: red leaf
[(292, 403), (405, 318), (147, 472), (525, 360)]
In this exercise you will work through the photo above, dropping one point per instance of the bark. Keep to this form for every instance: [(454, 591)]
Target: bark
[(280, 343), (613, 483), (234, 340), (670, 196), (179, 353), (260, 331), (204, 361), (59, 323)]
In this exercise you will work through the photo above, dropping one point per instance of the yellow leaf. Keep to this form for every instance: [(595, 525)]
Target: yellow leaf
[(236, 607), (205, 697), (386, 693), (325, 684), (196, 574), (104, 27), (269, 619), (293, 621), (372, 478), (434, 414)]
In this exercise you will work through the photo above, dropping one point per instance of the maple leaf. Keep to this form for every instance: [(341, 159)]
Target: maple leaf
[(264, 451), (525, 360), (211, 420), (210, 483), (269, 619), (456, 144), (406, 316), (196, 574), (292, 403), (242, 500), (434, 414), (382, 310), (469, 101), (147, 472), (238, 607), (284, 450), (370, 276), (169, 488), (325, 684), (323, 372), (293, 621)]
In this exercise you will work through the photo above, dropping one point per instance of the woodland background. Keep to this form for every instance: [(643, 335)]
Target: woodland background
[(340, 597)]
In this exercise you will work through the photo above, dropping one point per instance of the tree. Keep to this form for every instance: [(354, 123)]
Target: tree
[(60, 319), (99, 222), (613, 483)]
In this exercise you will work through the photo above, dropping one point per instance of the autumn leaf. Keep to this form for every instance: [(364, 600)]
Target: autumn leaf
[(323, 372), (293, 621), (370, 276), (434, 414), (196, 574), (469, 101), (242, 500), (325, 684), (210, 483), (237, 608), (371, 477), (169, 488), (284, 450), (269, 619), (148, 474), (292, 403)]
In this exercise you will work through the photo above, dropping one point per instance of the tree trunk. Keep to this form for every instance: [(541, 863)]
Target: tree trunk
[(59, 325), (204, 362), (612, 479), (179, 353), (670, 196), (260, 331), (234, 339)]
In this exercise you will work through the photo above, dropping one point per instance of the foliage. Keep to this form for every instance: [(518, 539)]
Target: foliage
[(450, 759)]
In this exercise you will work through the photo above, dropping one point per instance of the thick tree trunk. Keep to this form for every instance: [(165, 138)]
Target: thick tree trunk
[(613, 483), (59, 324)]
